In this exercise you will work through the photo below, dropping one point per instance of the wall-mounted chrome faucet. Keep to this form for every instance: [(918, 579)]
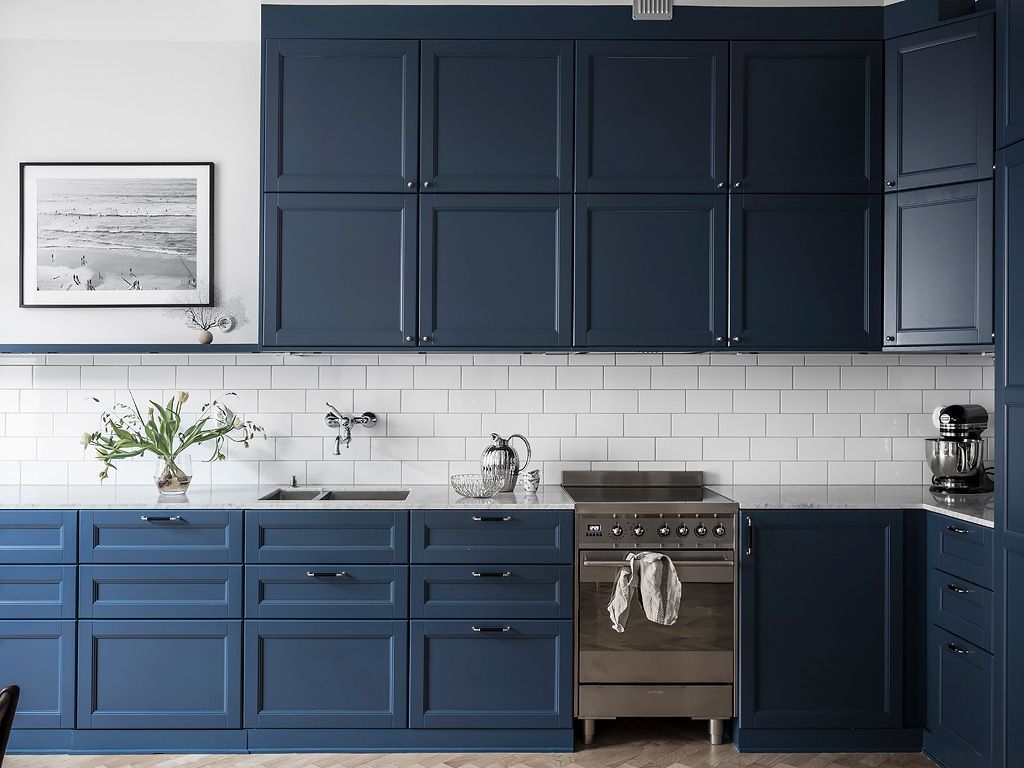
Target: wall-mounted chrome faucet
[(335, 419)]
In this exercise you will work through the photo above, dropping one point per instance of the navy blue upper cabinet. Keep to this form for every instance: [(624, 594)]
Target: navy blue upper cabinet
[(1010, 241), (340, 115), (938, 266), (1009, 72), (496, 116), (806, 116), (805, 272), (836, 577), (339, 270), (650, 271), (651, 116), (939, 110), (495, 271)]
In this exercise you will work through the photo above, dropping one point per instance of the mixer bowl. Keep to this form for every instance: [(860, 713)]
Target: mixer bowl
[(954, 458)]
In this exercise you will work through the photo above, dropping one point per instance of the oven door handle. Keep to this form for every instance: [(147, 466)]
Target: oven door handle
[(676, 563)]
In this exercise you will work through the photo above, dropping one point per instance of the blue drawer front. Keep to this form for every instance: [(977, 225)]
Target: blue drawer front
[(327, 536), (146, 536), (490, 674), (492, 536), (39, 656), (960, 680), (331, 592), (492, 591), (159, 674), (38, 536), (960, 607), (961, 549), (37, 591), (160, 592), (325, 674)]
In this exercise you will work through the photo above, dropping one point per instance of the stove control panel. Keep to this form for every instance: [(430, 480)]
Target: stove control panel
[(658, 531)]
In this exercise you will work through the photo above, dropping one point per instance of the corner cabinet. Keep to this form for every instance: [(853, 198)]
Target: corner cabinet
[(1009, 72), (821, 631)]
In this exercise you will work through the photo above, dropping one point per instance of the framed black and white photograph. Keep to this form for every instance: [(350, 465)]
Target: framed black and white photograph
[(116, 234)]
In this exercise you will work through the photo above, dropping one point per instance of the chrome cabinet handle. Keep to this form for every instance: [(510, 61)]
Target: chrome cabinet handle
[(722, 185), (410, 338), (325, 574), (750, 536), (478, 519), (957, 588), (425, 338), (890, 183), (426, 185), (954, 529), (151, 519), (737, 184), (957, 649), (486, 575), (736, 339), (411, 184), (492, 629), (719, 339), (890, 338)]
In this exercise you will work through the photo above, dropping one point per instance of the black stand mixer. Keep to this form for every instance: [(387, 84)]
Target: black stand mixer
[(957, 456)]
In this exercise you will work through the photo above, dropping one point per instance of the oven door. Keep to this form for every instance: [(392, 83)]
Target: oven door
[(698, 648)]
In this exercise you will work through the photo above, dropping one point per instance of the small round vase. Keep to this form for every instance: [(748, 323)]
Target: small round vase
[(173, 476), (205, 337)]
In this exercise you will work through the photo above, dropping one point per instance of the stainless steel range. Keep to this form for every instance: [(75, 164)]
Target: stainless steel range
[(684, 670)]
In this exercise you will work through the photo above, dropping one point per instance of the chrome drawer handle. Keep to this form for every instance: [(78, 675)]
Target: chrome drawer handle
[(485, 575), (325, 574), (957, 588), (954, 529), (478, 519), (150, 519), (957, 649), (492, 629)]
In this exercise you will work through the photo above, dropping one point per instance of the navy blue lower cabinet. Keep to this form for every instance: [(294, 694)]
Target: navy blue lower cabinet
[(38, 536), (821, 631), (490, 674), (339, 270), (326, 591), (491, 591), (39, 656), (960, 548), (325, 674), (158, 536), (959, 732), (651, 271), (37, 591), (160, 592), (495, 271), (307, 537), (159, 674), (805, 272), (474, 536)]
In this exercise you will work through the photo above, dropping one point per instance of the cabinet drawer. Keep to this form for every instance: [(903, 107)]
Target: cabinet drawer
[(491, 536), (38, 536), (160, 591), (960, 701), (490, 674), (37, 591), (961, 549), (326, 591), (39, 656), (961, 607), (173, 536), (491, 591), (325, 674), (159, 674), (327, 536)]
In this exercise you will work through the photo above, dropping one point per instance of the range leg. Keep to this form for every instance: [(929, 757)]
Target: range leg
[(588, 730), (716, 728)]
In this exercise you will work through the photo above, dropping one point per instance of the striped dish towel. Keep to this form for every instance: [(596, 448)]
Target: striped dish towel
[(660, 589)]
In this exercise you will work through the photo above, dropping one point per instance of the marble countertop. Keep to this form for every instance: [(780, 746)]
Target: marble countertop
[(979, 509)]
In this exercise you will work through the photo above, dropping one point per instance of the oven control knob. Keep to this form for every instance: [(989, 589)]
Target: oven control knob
[(616, 530), (638, 530), (682, 530), (719, 530), (664, 530), (701, 530)]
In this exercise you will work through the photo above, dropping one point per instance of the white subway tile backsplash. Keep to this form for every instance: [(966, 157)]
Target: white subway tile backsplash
[(757, 472), (863, 377), (56, 377), (836, 424), (519, 400), (678, 448), (539, 377), (868, 448), (646, 425), (816, 377), (820, 448), (660, 400), (773, 448), (610, 401), (757, 401), (485, 377), (851, 472), (579, 377), (426, 401), (389, 377), (725, 449), (803, 401), (343, 377), (437, 377), (199, 377), (851, 401), (695, 424), (291, 377), (708, 401), (568, 401), (789, 424), (911, 377), (627, 377), (764, 376), (721, 377), (599, 424), (741, 425), (471, 401), (631, 448), (235, 377), (674, 377)]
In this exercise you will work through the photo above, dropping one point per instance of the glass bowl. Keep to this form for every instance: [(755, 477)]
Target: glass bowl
[(476, 486)]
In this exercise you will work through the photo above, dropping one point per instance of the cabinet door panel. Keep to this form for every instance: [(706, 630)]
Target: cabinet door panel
[(495, 271), (806, 116), (496, 116), (490, 591), (960, 691), (651, 116), (469, 536), (160, 592), (159, 674), (326, 591), (39, 656), (339, 270), (938, 266), (325, 674), (304, 537), (1009, 230), (491, 674), (37, 536), (939, 105), (650, 270), (340, 115), (805, 272), (1009, 72), (148, 536), (37, 591), (847, 565)]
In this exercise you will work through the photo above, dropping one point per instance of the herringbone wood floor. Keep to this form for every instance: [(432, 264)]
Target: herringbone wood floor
[(619, 744)]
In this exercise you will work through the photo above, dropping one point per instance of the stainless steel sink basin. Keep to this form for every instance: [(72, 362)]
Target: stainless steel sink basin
[(320, 494)]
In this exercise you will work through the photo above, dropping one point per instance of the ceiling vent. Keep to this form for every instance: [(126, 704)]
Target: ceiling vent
[(652, 10)]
